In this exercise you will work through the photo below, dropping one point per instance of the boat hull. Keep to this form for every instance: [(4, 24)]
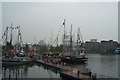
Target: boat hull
[(14, 63), (75, 60)]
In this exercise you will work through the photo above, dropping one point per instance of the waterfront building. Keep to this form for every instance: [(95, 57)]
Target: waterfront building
[(101, 47), (108, 46), (92, 46), (93, 40)]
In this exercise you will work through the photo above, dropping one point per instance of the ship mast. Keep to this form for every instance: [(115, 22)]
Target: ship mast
[(11, 33), (80, 35), (64, 36), (8, 44), (71, 40), (79, 40), (19, 38), (6, 34), (57, 41)]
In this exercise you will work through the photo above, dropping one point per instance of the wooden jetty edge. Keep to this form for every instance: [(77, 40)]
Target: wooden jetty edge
[(67, 72), (73, 76)]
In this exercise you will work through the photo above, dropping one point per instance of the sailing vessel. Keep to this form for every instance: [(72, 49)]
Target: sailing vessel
[(73, 54), (80, 49), (10, 52)]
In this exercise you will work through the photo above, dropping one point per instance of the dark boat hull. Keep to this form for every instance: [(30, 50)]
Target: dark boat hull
[(14, 63)]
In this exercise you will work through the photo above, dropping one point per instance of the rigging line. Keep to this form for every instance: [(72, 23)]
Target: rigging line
[(59, 31), (51, 38), (6, 32), (2, 37), (81, 35), (58, 34)]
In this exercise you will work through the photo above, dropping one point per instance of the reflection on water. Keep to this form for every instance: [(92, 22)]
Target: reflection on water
[(101, 64), (104, 64), (15, 71), (28, 71)]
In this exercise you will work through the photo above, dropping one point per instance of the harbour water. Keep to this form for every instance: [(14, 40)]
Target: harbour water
[(33, 71), (104, 65)]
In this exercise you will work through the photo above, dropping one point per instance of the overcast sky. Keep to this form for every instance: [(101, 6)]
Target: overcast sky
[(39, 20)]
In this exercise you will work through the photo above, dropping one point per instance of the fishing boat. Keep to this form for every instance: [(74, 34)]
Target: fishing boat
[(73, 54)]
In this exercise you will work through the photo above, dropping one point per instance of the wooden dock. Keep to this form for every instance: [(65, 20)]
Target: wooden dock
[(67, 72), (73, 76)]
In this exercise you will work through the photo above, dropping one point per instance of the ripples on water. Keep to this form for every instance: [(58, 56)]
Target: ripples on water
[(104, 65), (101, 64)]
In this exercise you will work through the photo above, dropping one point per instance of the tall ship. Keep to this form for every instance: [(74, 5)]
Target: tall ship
[(12, 50), (73, 51)]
